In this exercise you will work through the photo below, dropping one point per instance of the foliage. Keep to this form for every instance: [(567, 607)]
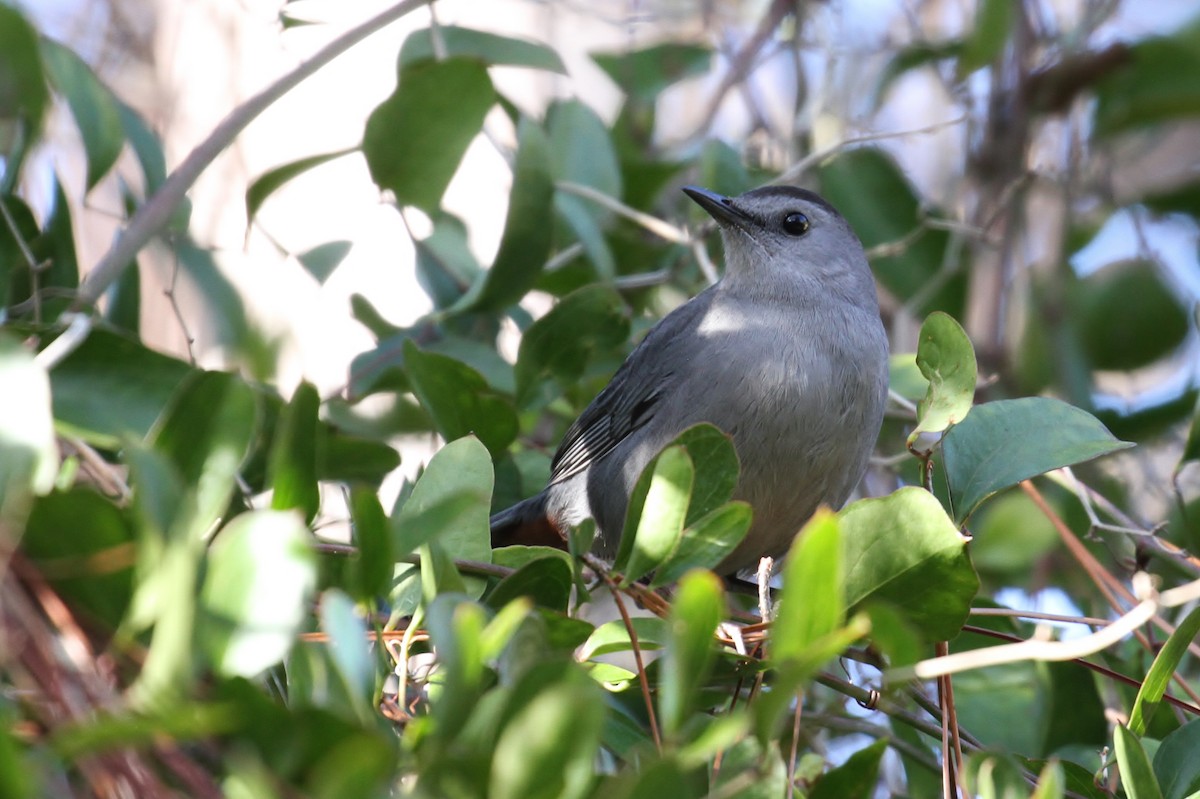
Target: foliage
[(173, 621)]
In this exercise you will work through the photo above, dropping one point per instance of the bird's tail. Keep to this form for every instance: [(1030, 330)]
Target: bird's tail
[(526, 523)]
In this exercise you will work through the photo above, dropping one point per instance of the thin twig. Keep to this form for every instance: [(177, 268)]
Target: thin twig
[(658, 227), (794, 172)]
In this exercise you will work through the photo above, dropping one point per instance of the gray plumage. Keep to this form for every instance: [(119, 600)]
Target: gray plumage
[(786, 353)]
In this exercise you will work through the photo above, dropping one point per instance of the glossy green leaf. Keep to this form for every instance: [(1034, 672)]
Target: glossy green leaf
[(261, 572), (322, 260), (92, 105), (854, 779), (547, 581), (1155, 85), (643, 74), (947, 360), (1137, 777), (1161, 670), (812, 602), (613, 636), (1128, 316), (1175, 763), (459, 400), (292, 468), (1004, 442), (374, 564), (697, 608), (206, 432), (707, 542), (525, 244), (451, 497), (561, 345), (490, 48), (549, 745), (867, 187), (28, 452), (270, 181), (993, 26), (904, 549), (661, 518), (415, 139)]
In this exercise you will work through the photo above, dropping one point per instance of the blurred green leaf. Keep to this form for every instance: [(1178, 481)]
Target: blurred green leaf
[(415, 139), (707, 542), (993, 27), (854, 779), (348, 646), (1154, 86), (525, 244), (581, 148), (1137, 777), (261, 572), (1191, 449), (446, 267), (1050, 782), (879, 203), (812, 602), (643, 74), (374, 563), (905, 550), (23, 91), (292, 470), (947, 360), (1011, 536), (322, 260), (697, 608), (660, 520), (459, 399), (28, 452), (562, 344), (91, 104), (722, 170), (547, 581), (456, 625), (349, 459), (147, 148), (450, 498), (1175, 763), (981, 456), (1074, 711), (1128, 316), (613, 636), (270, 181), (913, 57), (1166, 662), (905, 378), (490, 48)]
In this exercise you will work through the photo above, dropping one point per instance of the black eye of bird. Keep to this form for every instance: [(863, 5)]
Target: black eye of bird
[(795, 224)]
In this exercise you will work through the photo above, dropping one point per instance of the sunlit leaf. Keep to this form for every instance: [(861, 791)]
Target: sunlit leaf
[(947, 360)]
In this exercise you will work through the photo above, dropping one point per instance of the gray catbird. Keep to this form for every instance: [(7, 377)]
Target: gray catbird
[(786, 353)]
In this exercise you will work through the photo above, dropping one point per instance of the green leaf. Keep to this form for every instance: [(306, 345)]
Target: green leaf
[(261, 572), (613, 636), (490, 48), (993, 24), (459, 400), (547, 581), (456, 626), (206, 432), (548, 747), (1136, 775), (415, 139), (712, 453), (348, 648), (1154, 86), (446, 267), (879, 203), (661, 517), (854, 779), (525, 244), (344, 458), (149, 153), (322, 260), (451, 497), (28, 452), (705, 544), (913, 57), (292, 470), (374, 564), (560, 346), (1191, 449), (904, 549), (698, 607), (270, 181), (1051, 782), (91, 104), (581, 147), (643, 74), (947, 360), (23, 92), (1128, 315), (1004, 442), (812, 602), (1161, 670), (1176, 764)]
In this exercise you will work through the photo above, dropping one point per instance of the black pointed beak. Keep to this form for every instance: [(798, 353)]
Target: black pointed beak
[(718, 206)]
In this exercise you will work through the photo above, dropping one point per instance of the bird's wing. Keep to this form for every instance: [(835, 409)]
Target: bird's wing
[(630, 400)]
